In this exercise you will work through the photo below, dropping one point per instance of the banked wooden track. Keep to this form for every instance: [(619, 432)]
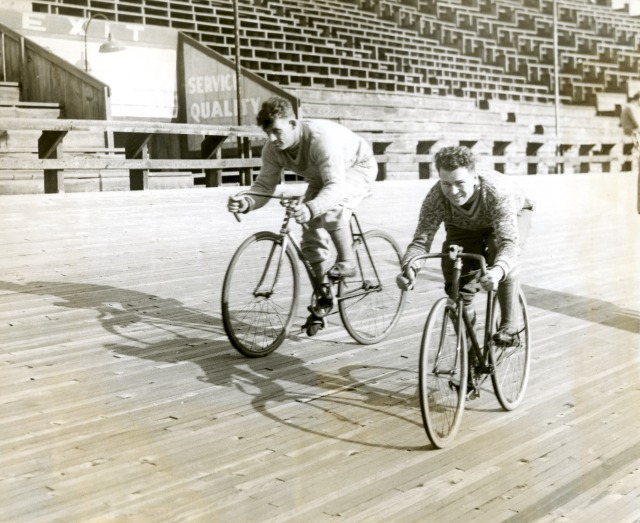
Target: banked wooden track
[(121, 399)]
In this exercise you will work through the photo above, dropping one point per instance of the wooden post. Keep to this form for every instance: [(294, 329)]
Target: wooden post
[(50, 146), (379, 149), (247, 173), (211, 147), (137, 146)]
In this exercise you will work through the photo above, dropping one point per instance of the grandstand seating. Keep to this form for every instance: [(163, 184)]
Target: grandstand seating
[(413, 75), (435, 47), (23, 144), (510, 136), (41, 152)]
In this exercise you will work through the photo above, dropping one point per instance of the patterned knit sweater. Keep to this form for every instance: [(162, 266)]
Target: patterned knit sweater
[(494, 209)]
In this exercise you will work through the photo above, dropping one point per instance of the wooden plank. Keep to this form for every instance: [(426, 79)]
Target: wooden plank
[(121, 395), (129, 126), (92, 163)]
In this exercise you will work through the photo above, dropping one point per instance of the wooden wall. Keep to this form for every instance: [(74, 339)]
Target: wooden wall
[(44, 77)]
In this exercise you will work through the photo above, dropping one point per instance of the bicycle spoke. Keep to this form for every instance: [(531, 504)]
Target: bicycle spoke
[(258, 319), (511, 364), (259, 295), (443, 375)]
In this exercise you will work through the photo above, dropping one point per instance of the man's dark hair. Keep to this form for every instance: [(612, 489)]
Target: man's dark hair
[(451, 158), (273, 109)]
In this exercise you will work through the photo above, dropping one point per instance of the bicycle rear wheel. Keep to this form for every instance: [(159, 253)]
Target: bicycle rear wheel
[(370, 302), (443, 375), (260, 295), (511, 364)]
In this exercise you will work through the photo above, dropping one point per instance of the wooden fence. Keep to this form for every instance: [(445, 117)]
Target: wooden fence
[(236, 148)]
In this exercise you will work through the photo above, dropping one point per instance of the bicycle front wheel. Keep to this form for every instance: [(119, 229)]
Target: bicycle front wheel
[(511, 364), (370, 303), (443, 375), (260, 295)]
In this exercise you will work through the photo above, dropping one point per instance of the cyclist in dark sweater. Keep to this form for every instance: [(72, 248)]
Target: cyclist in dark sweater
[(484, 212)]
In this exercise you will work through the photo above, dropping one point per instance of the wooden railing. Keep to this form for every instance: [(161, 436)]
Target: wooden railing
[(44, 77), (511, 153), (135, 137)]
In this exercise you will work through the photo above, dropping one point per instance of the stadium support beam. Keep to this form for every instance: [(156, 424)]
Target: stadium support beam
[(236, 31), (556, 78)]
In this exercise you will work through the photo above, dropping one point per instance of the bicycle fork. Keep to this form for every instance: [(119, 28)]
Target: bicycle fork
[(258, 292), (284, 235)]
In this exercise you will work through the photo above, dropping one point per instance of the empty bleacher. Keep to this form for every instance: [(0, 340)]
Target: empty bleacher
[(509, 136), (24, 144), (413, 75), (432, 47)]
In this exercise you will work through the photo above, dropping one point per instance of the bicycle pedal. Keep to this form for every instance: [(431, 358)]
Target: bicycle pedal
[(313, 325), (369, 285), (472, 393), (313, 329)]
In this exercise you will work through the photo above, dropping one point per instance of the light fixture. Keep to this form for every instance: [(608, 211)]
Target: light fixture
[(110, 46)]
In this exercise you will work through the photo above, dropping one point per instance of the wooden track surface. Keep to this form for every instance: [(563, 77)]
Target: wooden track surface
[(122, 400)]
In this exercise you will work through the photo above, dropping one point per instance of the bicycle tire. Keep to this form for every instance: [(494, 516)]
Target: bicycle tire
[(443, 375), (512, 364), (257, 325), (370, 302)]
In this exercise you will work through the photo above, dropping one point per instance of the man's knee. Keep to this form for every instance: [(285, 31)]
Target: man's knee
[(336, 218), (315, 243)]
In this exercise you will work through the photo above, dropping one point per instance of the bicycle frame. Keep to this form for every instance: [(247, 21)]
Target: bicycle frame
[(287, 237), (266, 299), (482, 353), (289, 202)]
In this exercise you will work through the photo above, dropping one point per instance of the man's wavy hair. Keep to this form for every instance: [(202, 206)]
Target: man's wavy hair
[(273, 109), (451, 158)]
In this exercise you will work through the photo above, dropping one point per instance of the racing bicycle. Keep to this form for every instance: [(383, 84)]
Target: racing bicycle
[(454, 363), (262, 284)]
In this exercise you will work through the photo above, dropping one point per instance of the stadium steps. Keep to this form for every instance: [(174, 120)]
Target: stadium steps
[(24, 144)]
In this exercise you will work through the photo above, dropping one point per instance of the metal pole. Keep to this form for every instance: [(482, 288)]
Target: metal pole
[(86, 32), (243, 144), (556, 78), (4, 58), (236, 28), (86, 56)]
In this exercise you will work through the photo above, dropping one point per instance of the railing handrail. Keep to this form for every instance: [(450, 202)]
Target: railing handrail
[(128, 126)]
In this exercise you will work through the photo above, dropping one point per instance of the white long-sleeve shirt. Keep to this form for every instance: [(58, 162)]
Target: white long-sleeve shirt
[(326, 157)]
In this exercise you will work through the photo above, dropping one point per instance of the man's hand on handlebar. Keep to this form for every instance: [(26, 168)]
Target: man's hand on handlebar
[(406, 279), (238, 204), (301, 213), (491, 279)]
